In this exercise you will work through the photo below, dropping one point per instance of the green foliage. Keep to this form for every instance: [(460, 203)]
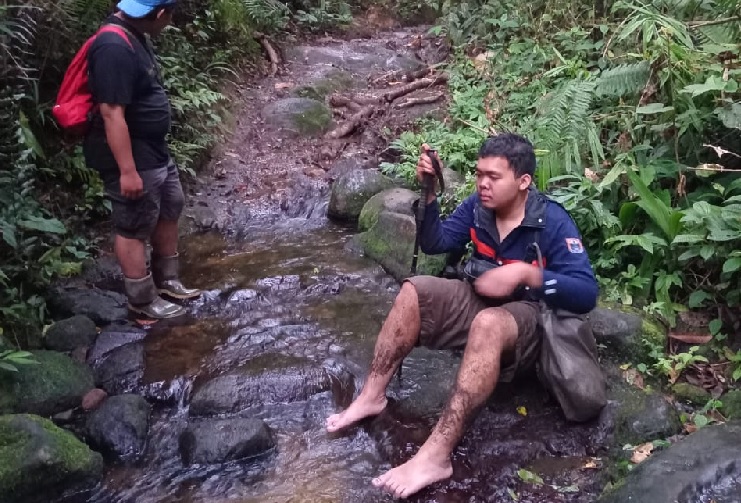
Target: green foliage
[(326, 15), (633, 115), (9, 359)]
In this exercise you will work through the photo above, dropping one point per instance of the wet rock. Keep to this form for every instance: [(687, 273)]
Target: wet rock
[(103, 272), (361, 61), (352, 190), (687, 471), (93, 399), (690, 393), (112, 337), (350, 164), (331, 81), (101, 306), (220, 440), (203, 217), (453, 181), (624, 333), (732, 404), (265, 380), (56, 384), (390, 242), (394, 200), (38, 459), (71, 333), (641, 416), (119, 427), (303, 116), (120, 370)]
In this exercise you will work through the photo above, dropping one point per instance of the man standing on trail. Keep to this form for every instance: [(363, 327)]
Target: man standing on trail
[(494, 314), (126, 144)]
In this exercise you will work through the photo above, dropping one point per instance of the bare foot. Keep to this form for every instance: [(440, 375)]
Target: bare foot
[(359, 409), (417, 473)]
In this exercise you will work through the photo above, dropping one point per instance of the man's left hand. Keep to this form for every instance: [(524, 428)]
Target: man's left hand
[(502, 281)]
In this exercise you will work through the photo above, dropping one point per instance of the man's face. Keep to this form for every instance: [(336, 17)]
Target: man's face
[(497, 184)]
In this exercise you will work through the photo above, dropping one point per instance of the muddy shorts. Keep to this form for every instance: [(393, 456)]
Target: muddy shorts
[(162, 200), (447, 307)]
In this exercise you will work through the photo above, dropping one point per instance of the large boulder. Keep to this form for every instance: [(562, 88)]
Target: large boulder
[(303, 116), (211, 441), (702, 467), (101, 306), (390, 242), (352, 190), (56, 384), (395, 200), (119, 427), (38, 459), (71, 333), (255, 384), (331, 81), (625, 334), (121, 370), (638, 415)]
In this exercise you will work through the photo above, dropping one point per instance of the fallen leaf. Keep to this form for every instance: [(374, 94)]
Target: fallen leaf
[(634, 378), (592, 464), (146, 323), (513, 494), (690, 428), (283, 85), (573, 488), (691, 338), (522, 411), (642, 452), (529, 477), (625, 366)]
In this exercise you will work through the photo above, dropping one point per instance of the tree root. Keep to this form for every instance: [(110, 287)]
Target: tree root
[(364, 106), (422, 100), (271, 52)]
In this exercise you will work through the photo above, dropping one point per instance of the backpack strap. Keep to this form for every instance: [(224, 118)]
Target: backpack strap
[(119, 30)]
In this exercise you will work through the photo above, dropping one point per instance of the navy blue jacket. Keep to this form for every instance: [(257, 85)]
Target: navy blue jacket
[(568, 279)]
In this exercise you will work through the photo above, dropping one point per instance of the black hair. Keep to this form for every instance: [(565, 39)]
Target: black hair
[(516, 149), (152, 16)]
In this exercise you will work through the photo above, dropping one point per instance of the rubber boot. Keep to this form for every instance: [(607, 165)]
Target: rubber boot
[(166, 276), (143, 299)]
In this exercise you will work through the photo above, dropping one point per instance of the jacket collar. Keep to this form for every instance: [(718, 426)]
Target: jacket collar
[(535, 209)]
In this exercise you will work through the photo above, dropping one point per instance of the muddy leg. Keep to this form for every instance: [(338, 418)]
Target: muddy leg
[(397, 338), (493, 331)]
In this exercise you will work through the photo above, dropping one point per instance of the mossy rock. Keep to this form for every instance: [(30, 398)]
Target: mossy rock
[(352, 190), (57, 383), (335, 80), (38, 459), (390, 242), (394, 200), (689, 393), (625, 333), (732, 404), (640, 415), (304, 116)]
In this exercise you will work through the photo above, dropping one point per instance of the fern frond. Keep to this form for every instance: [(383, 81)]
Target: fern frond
[(624, 79)]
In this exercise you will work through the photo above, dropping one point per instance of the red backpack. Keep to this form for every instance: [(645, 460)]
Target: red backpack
[(74, 105)]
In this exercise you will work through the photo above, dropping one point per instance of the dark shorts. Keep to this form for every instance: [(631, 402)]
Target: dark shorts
[(162, 200), (447, 307)]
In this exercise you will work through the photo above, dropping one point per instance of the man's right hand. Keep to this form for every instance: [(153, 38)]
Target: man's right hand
[(132, 186), (424, 168)]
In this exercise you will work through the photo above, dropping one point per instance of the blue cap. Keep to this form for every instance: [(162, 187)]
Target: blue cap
[(140, 8)]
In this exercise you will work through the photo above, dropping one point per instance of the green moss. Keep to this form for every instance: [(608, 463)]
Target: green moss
[(732, 404), (336, 80), (57, 383), (35, 455), (314, 121), (690, 393), (654, 332), (369, 214)]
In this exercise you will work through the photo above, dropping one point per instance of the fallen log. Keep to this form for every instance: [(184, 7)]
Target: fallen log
[(353, 122), (398, 92), (337, 100), (421, 100), (271, 52)]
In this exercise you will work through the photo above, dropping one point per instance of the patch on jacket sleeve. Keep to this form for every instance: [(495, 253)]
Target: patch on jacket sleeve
[(574, 245)]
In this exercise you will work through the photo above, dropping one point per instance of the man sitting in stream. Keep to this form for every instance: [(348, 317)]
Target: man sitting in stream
[(494, 314)]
